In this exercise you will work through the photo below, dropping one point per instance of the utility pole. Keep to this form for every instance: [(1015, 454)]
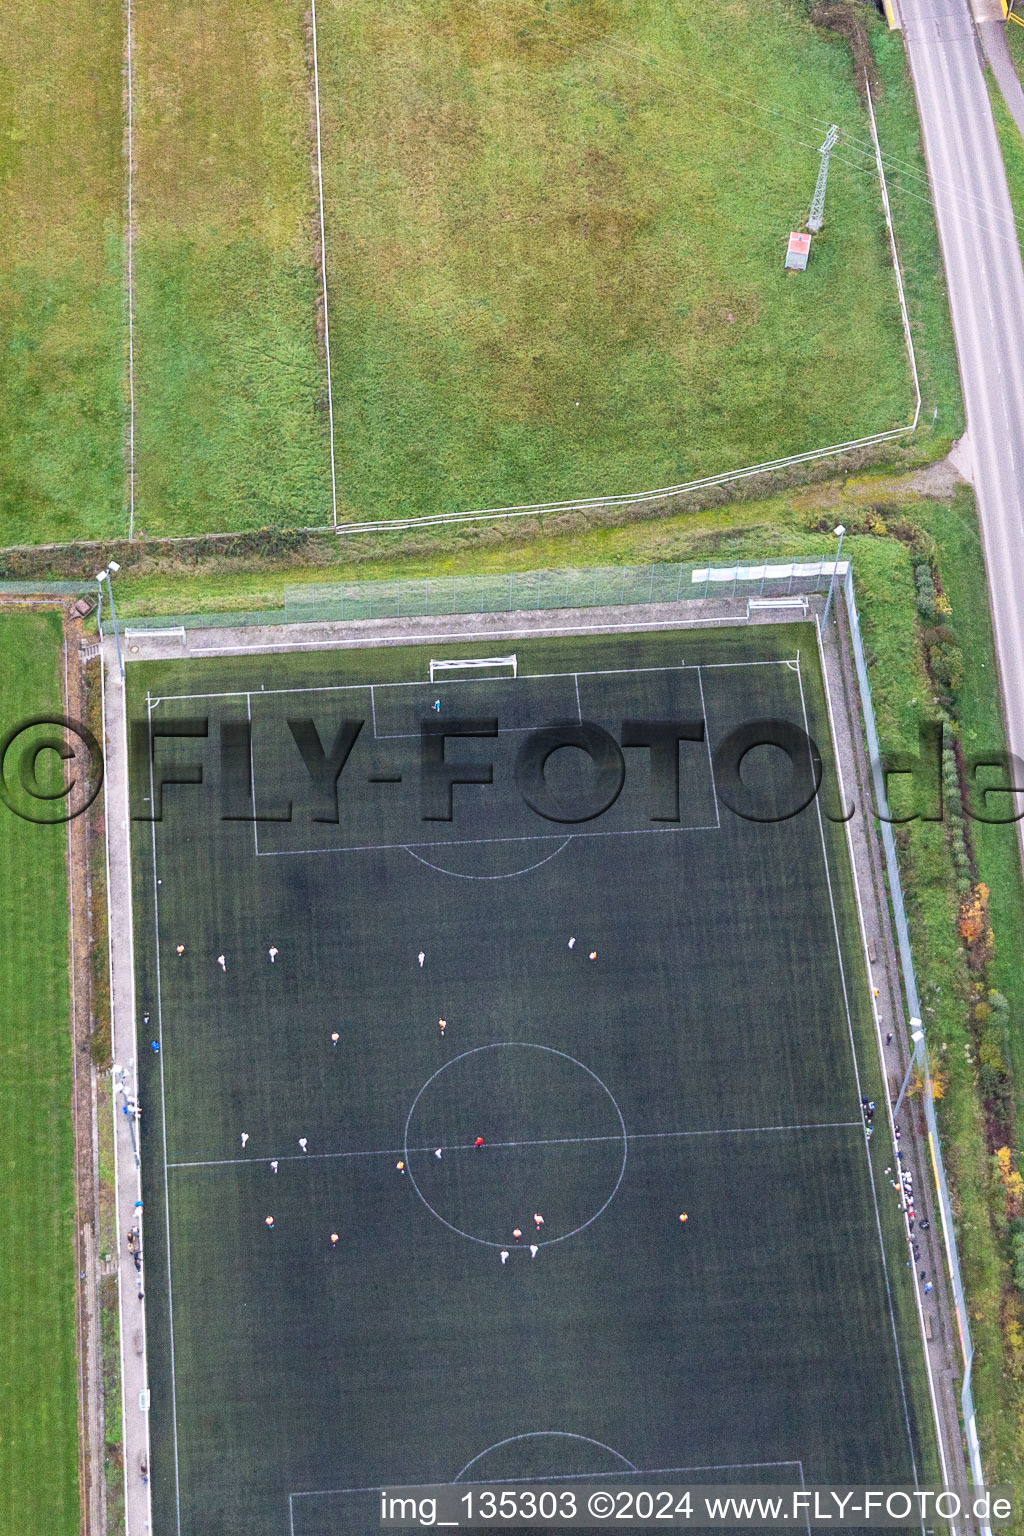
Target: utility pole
[(816, 217)]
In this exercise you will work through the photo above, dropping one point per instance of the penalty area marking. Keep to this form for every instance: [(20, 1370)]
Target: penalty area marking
[(240, 693), (510, 874), (630, 1470)]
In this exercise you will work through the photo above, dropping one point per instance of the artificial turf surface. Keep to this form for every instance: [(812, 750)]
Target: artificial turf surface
[(715, 1027)]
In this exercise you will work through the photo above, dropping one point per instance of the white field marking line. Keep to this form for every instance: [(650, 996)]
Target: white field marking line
[(368, 642), (546, 1434), (477, 842), (804, 1485), (113, 1096), (510, 730), (856, 1074), (932, 1393), (497, 1045), (131, 287), (163, 1131), (548, 1141), (567, 1477), (503, 730), (775, 661), (323, 269), (252, 778), (707, 740), (511, 874)]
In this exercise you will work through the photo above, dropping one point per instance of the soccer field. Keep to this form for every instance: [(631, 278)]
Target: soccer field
[(644, 1016)]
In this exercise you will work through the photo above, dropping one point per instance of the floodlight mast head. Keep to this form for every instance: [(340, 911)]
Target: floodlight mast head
[(101, 577)]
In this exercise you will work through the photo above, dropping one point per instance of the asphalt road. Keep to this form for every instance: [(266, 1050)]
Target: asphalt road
[(986, 292)]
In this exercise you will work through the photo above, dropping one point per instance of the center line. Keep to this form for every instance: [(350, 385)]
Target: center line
[(544, 1141)]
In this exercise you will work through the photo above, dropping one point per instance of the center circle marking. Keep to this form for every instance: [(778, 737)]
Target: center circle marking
[(511, 1045)]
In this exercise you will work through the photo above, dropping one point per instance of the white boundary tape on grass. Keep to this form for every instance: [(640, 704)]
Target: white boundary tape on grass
[(895, 253), (625, 499), (130, 152)]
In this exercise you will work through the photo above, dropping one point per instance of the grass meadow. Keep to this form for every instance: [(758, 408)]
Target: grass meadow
[(554, 250), (62, 287), (555, 238), (38, 1364), (231, 385)]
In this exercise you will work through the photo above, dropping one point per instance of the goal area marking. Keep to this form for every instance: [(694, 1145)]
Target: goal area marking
[(475, 663)]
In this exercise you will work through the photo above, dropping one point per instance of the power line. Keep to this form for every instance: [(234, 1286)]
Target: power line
[(897, 164)]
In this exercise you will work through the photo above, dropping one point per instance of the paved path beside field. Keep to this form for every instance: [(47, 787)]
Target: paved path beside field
[(135, 1380)]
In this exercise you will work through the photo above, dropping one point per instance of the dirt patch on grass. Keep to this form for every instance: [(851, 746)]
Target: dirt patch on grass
[(838, 16)]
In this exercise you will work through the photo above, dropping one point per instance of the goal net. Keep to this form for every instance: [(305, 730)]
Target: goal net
[(475, 664)]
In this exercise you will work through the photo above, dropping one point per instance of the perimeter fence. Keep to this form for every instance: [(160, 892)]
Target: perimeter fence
[(616, 586), (914, 1009), (517, 592), (30, 588)]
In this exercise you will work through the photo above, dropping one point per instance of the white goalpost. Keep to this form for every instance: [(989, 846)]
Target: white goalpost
[(474, 664), (133, 636)]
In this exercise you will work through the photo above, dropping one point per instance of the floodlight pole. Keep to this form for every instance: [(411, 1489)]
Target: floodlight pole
[(840, 530), (917, 1040), (816, 217), (100, 577)]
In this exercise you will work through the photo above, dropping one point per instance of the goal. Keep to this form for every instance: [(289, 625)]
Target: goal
[(175, 632), (475, 664)]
